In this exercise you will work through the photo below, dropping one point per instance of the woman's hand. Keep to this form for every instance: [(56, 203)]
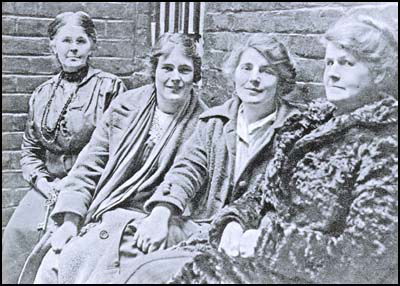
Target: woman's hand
[(230, 240), (152, 232), (65, 232), (44, 187), (248, 242)]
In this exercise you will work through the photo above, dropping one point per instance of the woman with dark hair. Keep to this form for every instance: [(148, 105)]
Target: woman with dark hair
[(228, 153), (327, 208), (63, 113), (100, 204)]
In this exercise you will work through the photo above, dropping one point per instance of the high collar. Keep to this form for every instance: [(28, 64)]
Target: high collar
[(90, 73)]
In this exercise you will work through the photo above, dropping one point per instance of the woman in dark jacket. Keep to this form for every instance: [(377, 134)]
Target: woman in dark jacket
[(63, 113), (326, 211)]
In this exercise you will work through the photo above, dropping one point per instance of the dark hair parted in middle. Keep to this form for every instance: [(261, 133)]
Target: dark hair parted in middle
[(190, 43), (81, 19), (276, 54)]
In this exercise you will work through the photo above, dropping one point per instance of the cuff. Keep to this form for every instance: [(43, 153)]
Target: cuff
[(68, 202)]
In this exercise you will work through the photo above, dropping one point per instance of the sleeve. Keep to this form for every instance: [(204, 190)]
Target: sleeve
[(33, 152), (365, 250), (77, 189), (187, 174), (247, 211)]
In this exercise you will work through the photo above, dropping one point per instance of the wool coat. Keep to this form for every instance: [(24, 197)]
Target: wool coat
[(53, 160), (158, 267), (327, 208), (96, 188)]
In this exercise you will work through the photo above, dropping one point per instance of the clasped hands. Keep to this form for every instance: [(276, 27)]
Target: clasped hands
[(236, 242)]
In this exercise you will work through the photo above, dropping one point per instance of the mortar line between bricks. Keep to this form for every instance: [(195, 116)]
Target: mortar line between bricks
[(24, 17), (11, 132), (47, 38), (16, 113), (50, 56)]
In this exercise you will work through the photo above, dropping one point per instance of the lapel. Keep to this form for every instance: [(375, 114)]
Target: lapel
[(283, 113)]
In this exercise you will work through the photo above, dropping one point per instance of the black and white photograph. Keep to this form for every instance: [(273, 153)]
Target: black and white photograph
[(199, 142)]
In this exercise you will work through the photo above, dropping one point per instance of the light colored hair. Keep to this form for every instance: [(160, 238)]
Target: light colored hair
[(190, 43), (372, 42), (81, 19), (276, 54)]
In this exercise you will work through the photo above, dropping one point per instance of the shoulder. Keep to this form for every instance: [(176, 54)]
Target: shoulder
[(132, 99), (221, 112), (105, 75)]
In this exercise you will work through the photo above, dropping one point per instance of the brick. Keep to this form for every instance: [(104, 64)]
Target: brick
[(110, 10), (7, 8), (29, 65), (119, 29), (114, 48), (11, 198), (33, 27), (217, 89), (52, 9), (11, 141), (8, 25), (13, 122), (13, 180), (307, 46), (21, 84), (6, 214), (303, 21), (258, 6), (26, 8), (11, 160), (25, 46), (309, 70), (15, 103), (114, 66)]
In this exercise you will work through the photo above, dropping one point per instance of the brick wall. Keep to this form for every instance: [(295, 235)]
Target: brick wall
[(124, 41)]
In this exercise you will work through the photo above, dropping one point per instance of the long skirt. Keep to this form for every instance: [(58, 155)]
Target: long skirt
[(102, 250), (21, 235)]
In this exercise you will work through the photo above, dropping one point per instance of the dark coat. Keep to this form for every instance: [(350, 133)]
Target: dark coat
[(327, 208)]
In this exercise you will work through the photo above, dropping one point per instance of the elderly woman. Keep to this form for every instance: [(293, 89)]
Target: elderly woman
[(130, 151), (327, 209), (230, 149), (63, 113)]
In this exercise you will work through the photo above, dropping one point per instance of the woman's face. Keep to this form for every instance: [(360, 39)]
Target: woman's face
[(345, 78), (174, 76), (72, 46), (255, 82)]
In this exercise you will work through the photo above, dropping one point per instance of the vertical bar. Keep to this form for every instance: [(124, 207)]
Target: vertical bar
[(171, 21), (201, 24), (157, 20), (162, 18), (166, 23), (182, 17), (153, 33), (186, 26), (176, 22), (196, 18), (191, 16)]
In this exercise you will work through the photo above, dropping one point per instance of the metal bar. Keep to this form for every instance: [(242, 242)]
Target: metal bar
[(201, 24), (191, 16), (176, 22), (171, 23), (162, 18), (186, 18), (196, 18)]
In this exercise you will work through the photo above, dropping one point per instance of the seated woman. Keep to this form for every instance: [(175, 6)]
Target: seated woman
[(231, 147), (63, 113), (327, 209), (125, 160)]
